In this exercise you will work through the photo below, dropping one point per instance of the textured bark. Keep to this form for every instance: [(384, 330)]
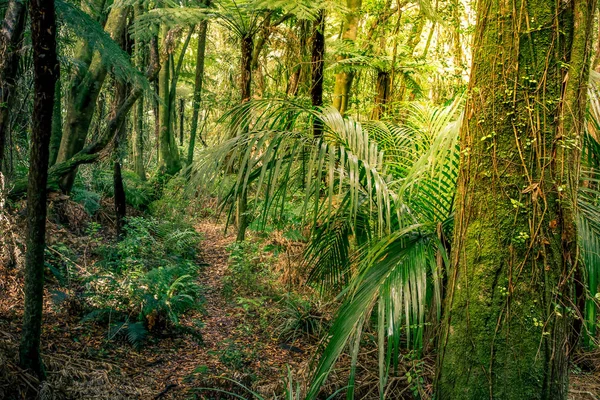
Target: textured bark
[(138, 125), (181, 120), (199, 80), (120, 201), (56, 124), (84, 92), (46, 73), (508, 317), (383, 91), (11, 36), (318, 63), (343, 79), (247, 46)]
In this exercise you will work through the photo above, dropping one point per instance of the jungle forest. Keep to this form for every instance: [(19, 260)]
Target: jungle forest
[(300, 200)]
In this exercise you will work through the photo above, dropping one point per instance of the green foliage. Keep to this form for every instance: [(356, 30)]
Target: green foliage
[(247, 273), (379, 218), (148, 277), (113, 57), (300, 318), (88, 199)]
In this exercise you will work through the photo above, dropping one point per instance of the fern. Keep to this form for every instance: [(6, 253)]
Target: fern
[(136, 334), (85, 27)]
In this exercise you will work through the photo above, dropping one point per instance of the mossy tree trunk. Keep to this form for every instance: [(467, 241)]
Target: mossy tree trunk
[(199, 80), (343, 79), (247, 49), (56, 124), (508, 318), (84, 91), (46, 73), (11, 36)]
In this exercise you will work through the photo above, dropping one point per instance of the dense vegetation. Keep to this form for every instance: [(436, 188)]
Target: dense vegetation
[(413, 187)]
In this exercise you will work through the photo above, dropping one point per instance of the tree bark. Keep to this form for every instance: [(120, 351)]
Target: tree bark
[(247, 46), (138, 125), (46, 73), (200, 57), (11, 36), (120, 200), (181, 119), (56, 124), (343, 79), (381, 98), (317, 65), (508, 316)]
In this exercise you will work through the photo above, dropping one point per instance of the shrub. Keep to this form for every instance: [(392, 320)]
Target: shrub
[(147, 278)]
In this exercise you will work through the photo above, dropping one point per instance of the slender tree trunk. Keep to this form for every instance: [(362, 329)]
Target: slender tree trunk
[(138, 124), (511, 297), (120, 201), (11, 36), (181, 120), (46, 73), (200, 56), (343, 79), (247, 46), (56, 124), (317, 63)]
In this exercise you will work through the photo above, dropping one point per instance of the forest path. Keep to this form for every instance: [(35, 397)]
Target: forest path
[(232, 345)]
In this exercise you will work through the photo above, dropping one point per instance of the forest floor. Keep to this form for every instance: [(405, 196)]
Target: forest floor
[(238, 342), (82, 363)]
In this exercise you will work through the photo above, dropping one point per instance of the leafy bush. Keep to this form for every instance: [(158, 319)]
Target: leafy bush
[(247, 273), (147, 278), (300, 317)]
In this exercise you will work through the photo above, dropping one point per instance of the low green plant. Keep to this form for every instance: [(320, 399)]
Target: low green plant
[(148, 278), (300, 318), (248, 271)]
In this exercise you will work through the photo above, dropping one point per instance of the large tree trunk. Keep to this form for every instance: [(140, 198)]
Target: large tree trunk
[(317, 63), (46, 72), (343, 79), (11, 36), (508, 324), (200, 57), (84, 93)]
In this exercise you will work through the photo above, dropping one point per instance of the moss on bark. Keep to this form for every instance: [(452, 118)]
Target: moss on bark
[(509, 308)]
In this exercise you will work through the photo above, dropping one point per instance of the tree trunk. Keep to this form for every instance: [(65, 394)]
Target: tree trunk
[(247, 46), (120, 201), (508, 317), (317, 63), (343, 79), (181, 120), (169, 160), (11, 36), (84, 93), (200, 57), (46, 73), (56, 124), (381, 98)]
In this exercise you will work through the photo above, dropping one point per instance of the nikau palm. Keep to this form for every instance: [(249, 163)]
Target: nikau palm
[(380, 218)]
